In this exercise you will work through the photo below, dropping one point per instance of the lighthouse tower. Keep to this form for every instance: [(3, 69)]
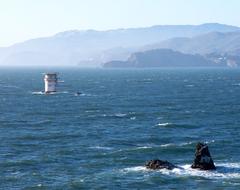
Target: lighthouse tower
[(50, 80)]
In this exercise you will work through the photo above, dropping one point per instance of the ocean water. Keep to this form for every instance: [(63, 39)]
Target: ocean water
[(102, 138)]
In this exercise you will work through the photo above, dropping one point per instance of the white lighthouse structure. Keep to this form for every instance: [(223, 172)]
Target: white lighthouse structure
[(50, 80)]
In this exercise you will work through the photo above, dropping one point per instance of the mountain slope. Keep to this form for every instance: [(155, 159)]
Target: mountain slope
[(90, 47), (214, 42), (222, 48)]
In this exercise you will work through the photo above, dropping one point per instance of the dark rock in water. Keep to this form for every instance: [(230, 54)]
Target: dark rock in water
[(203, 159), (159, 164), (77, 93)]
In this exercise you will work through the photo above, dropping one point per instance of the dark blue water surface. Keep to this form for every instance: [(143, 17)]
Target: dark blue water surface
[(102, 138)]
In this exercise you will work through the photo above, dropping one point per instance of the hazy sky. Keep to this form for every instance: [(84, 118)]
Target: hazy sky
[(25, 19)]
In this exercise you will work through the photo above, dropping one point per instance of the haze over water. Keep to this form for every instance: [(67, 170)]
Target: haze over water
[(102, 138)]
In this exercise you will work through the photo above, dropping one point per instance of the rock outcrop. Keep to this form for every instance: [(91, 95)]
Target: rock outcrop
[(203, 159), (159, 164)]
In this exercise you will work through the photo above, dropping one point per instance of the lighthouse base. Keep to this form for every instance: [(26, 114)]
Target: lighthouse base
[(50, 92)]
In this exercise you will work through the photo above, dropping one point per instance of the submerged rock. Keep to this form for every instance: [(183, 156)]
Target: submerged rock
[(203, 159), (159, 164)]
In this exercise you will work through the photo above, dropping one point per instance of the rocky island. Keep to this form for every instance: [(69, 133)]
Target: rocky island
[(202, 160)]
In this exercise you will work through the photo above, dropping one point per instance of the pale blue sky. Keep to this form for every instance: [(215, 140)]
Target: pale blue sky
[(24, 19)]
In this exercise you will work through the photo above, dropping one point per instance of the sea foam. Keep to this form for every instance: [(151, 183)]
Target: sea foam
[(223, 171)]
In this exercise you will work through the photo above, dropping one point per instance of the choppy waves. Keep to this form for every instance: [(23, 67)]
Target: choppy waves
[(111, 125)]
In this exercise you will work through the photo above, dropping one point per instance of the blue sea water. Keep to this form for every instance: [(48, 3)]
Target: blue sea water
[(102, 138)]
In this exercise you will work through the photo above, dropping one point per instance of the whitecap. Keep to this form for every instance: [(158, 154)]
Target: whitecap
[(101, 147), (132, 149), (134, 169), (38, 93), (208, 142), (173, 144), (186, 143), (163, 124), (92, 111), (115, 115), (167, 145), (133, 118), (120, 114), (143, 147)]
